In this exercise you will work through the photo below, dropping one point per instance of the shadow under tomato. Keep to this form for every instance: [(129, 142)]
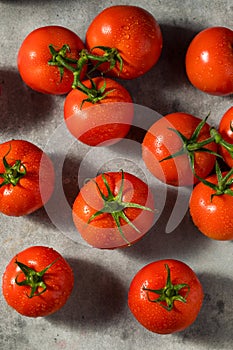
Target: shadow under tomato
[(22, 109), (214, 324), (164, 88), (182, 241), (98, 297)]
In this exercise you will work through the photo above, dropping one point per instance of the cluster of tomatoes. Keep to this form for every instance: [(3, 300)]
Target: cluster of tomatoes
[(116, 209)]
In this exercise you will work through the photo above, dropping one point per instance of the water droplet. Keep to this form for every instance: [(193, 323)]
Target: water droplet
[(127, 36)]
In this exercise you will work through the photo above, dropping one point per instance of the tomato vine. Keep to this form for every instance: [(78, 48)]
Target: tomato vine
[(62, 61)]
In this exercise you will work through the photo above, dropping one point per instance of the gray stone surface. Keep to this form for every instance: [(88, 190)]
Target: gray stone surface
[(96, 316)]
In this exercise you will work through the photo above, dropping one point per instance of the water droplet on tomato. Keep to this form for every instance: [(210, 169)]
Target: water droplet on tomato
[(127, 36)]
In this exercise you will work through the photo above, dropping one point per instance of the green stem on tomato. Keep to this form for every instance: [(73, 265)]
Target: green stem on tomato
[(170, 293), (33, 278), (60, 59), (223, 185), (191, 145), (219, 140), (13, 173), (115, 206)]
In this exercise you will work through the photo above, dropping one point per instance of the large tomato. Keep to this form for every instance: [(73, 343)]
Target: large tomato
[(209, 61), (37, 281), (34, 54), (26, 178), (165, 296), (212, 214), (226, 131), (161, 141), (113, 210), (103, 122), (133, 31)]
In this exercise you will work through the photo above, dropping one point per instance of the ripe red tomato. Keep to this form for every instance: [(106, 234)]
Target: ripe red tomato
[(34, 54), (37, 281), (179, 291), (209, 61), (26, 178), (160, 142), (104, 122), (226, 131), (105, 211), (212, 214), (134, 32)]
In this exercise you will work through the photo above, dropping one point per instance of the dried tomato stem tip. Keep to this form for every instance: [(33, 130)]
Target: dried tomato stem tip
[(33, 279), (169, 294), (115, 206), (13, 173)]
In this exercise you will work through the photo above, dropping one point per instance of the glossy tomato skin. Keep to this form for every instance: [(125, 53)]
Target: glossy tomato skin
[(152, 315), (226, 130), (134, 32), (102, 232), (35, 188), (103, 123), (160, 142), (34, 54), (59, 280), (212, 217), (209, 61)]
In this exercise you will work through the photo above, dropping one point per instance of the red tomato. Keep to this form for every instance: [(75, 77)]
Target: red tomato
[(209, 61), (34, 54), (134, 32), (26, 178), (103, 219), (226, 131), (104, 122), (181, 296), (41, 286), (212, 215), (161, 142)]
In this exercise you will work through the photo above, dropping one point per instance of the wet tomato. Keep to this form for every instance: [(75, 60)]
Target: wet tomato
[(165, 296), (103, 121), (37, 281), (162, 141), (209, 61), (211, 207), (134, 32), (34, 55), (113, 210), (26, 178)]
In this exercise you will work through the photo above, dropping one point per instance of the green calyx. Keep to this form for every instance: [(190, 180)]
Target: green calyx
[(61, 60), (191, 145), (224, 183), (33, 279), (115, 206), (13, 173), (169, 294)]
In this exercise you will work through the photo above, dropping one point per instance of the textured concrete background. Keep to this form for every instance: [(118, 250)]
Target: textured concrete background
[(96, 316)]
